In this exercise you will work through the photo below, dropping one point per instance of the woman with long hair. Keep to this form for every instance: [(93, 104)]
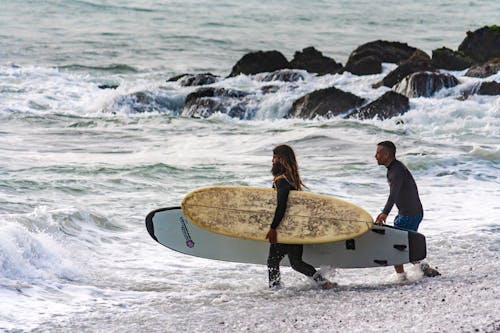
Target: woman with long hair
[(286, 175)]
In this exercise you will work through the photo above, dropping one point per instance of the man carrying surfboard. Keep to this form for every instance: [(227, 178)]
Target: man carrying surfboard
[(404, 194), (286, 178)]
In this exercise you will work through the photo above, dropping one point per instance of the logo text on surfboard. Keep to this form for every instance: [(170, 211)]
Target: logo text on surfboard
[(185, 232)]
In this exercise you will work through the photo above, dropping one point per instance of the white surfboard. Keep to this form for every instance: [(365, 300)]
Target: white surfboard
[(380, 246)]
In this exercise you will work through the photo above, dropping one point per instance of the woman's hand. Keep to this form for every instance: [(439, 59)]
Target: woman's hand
[(272, 235)]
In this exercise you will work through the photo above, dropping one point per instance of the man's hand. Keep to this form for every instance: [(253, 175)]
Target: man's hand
[(381, 218), (272, 235)]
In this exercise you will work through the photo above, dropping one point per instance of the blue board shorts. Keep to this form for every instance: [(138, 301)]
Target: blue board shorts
[(408, 222)]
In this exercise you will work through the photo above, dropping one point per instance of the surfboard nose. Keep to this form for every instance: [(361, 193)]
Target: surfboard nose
[(417, 242), (149, 224)]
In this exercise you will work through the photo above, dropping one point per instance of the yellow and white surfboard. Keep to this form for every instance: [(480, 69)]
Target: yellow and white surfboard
[(247, 212)]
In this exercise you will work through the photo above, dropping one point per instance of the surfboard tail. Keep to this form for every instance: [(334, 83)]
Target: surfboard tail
[(418, 246)]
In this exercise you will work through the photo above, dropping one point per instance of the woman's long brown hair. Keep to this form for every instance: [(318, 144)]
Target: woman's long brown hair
[(287, 158)]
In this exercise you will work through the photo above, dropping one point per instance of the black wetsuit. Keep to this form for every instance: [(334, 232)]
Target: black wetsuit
[(404, 192), (278, 251)]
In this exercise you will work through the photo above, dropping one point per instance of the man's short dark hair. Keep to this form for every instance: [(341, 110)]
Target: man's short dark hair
[(388, 146)]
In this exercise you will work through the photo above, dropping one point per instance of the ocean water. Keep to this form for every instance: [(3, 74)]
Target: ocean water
[(80, 166)]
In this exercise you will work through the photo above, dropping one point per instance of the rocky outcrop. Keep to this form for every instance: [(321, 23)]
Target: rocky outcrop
[(491, 88), (425, 84), (285, 75), (327, 102), (419, 61), (188, 80), (269, 89), (314, 61), (486, 69), (482, 44), (448, 59), (259, 62), (415, 76), (206, 101), (108, 86), (389, 105), (368, 58)]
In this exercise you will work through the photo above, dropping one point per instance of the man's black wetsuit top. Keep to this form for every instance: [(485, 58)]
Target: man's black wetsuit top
[(404, 192)]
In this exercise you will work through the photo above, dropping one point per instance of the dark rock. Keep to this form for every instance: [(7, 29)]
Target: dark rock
[(489, 68), (419, 61), (425, 84), (365, 66), (286, 75), (203, 108), (177, 77), (368, 58), (393, 52), (325, 102), (206, 101), (482, 44), (387, 106), (198, 80), (489, 88), (418, 56), (200, 93), (446, 58), (270, 89), (108, 86), (259, 62), (314, 61), (482, 88), (188, 80), (213, 92)]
